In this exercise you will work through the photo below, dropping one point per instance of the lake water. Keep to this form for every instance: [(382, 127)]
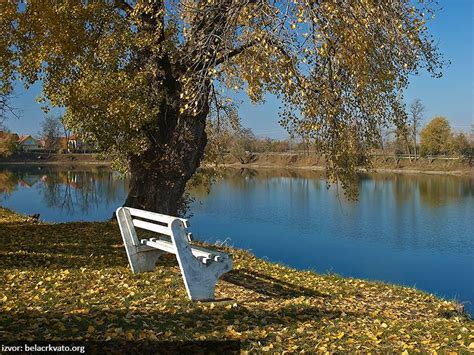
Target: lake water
[(415, 230)]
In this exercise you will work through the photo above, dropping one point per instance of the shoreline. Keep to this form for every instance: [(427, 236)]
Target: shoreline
[(469, 173), (64, 163), (466, 172)]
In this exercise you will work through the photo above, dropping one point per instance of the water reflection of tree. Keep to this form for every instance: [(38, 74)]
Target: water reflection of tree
[(431, 190), (10, 179), (85, 188), (438, 191), (56, 191), (8, 182), (70, 189), (82, 190), (249, 181)]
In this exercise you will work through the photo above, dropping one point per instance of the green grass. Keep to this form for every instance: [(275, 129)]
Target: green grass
[(72, 281)]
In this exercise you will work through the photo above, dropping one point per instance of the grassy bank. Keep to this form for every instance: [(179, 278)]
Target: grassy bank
[(54, 159), (72, 281), (379, 164)]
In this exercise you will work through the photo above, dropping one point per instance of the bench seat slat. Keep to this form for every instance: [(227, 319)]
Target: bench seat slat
[(162, 245), (169, 247), (151, 227)]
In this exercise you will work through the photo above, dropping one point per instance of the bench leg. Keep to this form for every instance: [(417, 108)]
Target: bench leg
[(201, 284), (200, 280), (140, 258), (143, 261)]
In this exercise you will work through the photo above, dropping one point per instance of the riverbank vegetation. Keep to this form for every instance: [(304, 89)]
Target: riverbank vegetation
[(378, 163), (438, 149), (72, 281), (437, 141)]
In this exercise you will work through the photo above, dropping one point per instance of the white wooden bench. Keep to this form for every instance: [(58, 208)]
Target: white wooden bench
[(200, 267)]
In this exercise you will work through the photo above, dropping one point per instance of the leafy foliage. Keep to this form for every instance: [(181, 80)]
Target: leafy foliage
[(435, 137), (461, 145), (120, 67), (8, 144), (72, 281)]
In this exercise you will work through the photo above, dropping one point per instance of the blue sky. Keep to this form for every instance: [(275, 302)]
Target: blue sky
[(451, 96)]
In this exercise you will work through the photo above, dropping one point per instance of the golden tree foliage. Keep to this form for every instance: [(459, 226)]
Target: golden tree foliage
[(8, 144), (118, 67), (436, 137)]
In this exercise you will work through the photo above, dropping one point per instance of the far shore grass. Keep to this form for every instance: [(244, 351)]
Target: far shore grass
[(72, 281), (296, 161)]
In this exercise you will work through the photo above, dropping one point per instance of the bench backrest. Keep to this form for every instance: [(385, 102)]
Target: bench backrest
[(152, 221)]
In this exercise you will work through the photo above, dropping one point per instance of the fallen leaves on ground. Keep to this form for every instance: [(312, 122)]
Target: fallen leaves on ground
[(72, 281)]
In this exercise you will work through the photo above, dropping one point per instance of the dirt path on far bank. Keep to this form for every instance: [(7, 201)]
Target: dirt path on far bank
[(469, 172)]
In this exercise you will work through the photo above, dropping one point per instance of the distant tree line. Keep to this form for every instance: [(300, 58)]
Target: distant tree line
[(228, 136), (409, 137), (436, 138)]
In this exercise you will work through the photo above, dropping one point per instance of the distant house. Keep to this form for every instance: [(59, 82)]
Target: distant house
[(74, 142), (27, 143), (55, 144), (78, 145)]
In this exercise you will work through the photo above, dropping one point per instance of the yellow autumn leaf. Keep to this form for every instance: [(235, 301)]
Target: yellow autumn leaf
[(90, 329), (61, 326)]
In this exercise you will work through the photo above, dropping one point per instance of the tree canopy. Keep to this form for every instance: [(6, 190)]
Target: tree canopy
[(122, 68), (436, 136), (50, 132)]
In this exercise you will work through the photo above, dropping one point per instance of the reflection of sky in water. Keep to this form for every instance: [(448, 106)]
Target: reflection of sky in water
[(409, 229)]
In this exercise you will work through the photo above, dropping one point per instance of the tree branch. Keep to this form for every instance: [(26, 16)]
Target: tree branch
[(123, 5), (234, 52)]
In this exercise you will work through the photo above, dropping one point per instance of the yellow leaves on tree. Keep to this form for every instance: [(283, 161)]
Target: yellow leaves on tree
[(124, 69)]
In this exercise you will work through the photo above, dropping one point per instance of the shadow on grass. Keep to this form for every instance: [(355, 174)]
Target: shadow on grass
[(182, 323), (71, 245), (267, 285)]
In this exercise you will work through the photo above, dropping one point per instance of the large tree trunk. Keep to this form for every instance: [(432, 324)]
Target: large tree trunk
[(177, 138), (159, 175)]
